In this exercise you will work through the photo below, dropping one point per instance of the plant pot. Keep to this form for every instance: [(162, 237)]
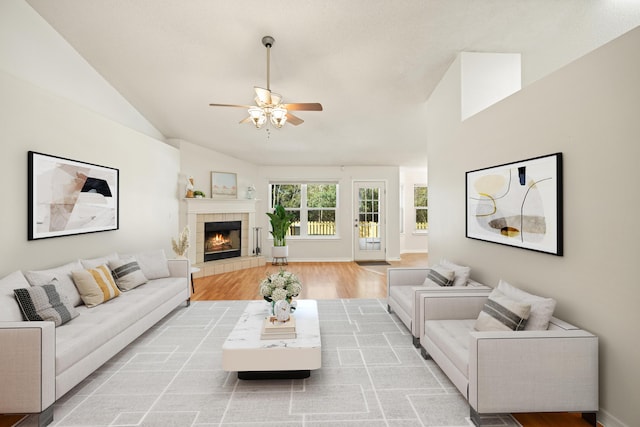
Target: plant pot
[(280, 252)]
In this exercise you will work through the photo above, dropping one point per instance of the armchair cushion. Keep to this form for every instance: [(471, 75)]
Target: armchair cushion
[(461, 272), (541, 308), (452, 338), (501, 313), (440, 275)]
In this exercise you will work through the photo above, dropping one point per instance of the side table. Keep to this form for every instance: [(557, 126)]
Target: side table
[(193, 270)]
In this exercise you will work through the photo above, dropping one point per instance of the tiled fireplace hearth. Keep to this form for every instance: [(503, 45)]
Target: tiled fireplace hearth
[(202, 211)]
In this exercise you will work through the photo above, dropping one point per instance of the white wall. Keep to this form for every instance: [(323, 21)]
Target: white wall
[(52, 101), (410, 240), (588, 111)]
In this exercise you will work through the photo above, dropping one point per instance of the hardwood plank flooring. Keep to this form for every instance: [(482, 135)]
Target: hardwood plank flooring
[(329, 280)]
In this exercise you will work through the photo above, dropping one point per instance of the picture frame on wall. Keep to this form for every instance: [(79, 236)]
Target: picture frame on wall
[(224, 185), (68, 197), (517, 204)]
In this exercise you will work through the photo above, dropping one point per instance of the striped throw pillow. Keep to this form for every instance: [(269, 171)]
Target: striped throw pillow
[(501, 313), (95, 285), (127, 273), (39, 303), (441, 276)]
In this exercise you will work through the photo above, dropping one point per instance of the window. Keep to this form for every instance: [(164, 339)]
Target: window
[(421, 206), (313, 205)]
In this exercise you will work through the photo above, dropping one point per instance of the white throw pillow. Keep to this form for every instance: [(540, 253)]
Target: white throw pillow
[(153, 264), (97, 262), (441, 276), (501, 313), (64, 285), (462, 272), (9, 308), (127, 273), (541, 308)]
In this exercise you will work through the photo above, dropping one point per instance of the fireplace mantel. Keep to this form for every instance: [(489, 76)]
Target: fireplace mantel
[(205, 209)]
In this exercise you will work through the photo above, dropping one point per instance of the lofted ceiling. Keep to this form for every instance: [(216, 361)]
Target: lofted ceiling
[(372, 64)]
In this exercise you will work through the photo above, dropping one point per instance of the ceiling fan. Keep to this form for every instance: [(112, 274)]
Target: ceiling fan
[(269, 106)]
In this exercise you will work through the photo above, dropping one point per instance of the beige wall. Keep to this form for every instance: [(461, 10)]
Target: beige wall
[(34, 119), (589, 112)]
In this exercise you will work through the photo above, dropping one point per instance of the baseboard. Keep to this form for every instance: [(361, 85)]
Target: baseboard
[(608, 420)]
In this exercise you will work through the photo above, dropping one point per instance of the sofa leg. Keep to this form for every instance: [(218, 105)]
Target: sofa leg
[(590, 417), (388, 309), (45, 417), (416, 342), (188, 302), (475, 417), (424, 353)]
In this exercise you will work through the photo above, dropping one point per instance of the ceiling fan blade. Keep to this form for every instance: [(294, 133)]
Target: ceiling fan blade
[(294, 120), (246, 120), (230, 105), (304, 106), (276, 98), (263, 95)]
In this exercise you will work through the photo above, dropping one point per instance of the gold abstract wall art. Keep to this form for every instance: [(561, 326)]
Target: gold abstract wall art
[(70, 197), (517, 204)]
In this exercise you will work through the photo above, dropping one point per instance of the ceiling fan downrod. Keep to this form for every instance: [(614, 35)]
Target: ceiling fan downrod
[(268, 41)]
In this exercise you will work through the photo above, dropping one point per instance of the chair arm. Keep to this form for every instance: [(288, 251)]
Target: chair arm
[(533, 371), (406, 277), (27, 367)]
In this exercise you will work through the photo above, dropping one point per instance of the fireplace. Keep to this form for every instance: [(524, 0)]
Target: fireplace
[(222, 239)]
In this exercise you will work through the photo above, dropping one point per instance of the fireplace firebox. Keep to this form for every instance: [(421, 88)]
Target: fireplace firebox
[(222, 239)]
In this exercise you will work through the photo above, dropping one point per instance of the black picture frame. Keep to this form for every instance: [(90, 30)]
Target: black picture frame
[(517, 204), (69, 197)]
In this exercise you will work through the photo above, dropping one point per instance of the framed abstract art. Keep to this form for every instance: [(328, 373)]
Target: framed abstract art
[(517, 204), (69, 197)]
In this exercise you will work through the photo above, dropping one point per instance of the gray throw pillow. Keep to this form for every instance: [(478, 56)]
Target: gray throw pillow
[(127, 273), (44, 303), (501, 313)]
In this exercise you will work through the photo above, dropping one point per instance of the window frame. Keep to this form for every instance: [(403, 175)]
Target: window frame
[(303, 209)]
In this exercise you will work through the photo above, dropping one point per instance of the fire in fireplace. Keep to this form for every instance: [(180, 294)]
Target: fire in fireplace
[(222, 239)]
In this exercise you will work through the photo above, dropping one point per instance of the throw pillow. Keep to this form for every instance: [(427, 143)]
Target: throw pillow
[(127, 273), (501, 313), (39, 303), (95, 285), (9, 308), (462, 272), (64, 281), (97, 262), (541, 308), (153, 264), (440, 275)]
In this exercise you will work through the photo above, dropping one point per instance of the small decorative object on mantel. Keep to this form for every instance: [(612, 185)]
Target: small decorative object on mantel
[(282, 285), (189, 194), (251, 192), (198, 194), (182, 244)]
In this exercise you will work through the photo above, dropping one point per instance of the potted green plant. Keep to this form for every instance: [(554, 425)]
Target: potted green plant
[(281, 220)]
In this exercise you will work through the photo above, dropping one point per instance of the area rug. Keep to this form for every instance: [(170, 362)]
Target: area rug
[(366, 263), (371, 376)]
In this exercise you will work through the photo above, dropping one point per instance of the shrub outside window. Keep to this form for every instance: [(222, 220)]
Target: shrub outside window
[(314, 206)]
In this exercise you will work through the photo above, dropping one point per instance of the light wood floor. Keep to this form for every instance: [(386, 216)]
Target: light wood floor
[(328, 281)]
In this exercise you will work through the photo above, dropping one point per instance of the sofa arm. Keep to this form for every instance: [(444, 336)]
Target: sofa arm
[(406, 276), (179, 268), (27, 367), (533, 371)]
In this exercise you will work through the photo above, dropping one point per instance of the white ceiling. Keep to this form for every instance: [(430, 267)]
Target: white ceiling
[(371, 63)]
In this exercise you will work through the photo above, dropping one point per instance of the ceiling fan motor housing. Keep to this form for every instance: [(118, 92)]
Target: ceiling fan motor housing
[(268, 41)]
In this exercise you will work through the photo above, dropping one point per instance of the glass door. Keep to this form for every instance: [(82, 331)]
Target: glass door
[(369, 221)]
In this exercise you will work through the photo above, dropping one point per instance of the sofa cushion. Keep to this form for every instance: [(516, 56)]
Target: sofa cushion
[(153, 264), (64, 284), (461, 272), (501, 313), (95, 285), (441, 276), (9, 308), (95, 326), (127, 273), (541, 308), (97, 262), (44, 303), (452, 337)]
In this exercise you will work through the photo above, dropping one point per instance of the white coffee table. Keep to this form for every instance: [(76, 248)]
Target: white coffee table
[(244, 352)]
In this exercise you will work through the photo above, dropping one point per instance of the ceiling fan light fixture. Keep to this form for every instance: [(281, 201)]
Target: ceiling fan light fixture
[(258, 116), (278, 116)]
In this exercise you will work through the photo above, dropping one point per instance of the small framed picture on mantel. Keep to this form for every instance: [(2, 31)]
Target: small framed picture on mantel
[(224, 185)]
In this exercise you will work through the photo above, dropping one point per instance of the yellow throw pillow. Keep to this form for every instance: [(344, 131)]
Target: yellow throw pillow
[(95, 285)]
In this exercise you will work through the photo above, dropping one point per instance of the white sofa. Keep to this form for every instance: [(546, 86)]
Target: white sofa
[(553, 370), (404, 287), (39, 362)]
